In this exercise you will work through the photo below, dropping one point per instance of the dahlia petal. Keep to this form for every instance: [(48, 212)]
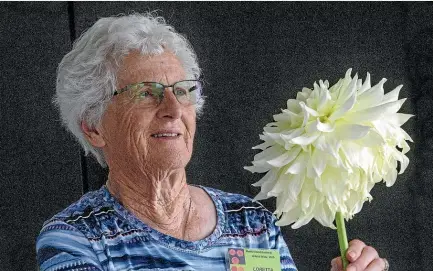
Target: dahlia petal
[(295, 186), (375, 113), (319, 161), (341, 111), (306, 195), (398, 119), (406, 135), (264, 145), (366, 84), (303, 96), (303, 220), (404, 146), (404, 161), (325, 216), (257, 169), (328, 144), (325, 127), (285, 158), (298, 164), (289, 217), (271, 175), (305, 139), (371, 140), (351, 131), (376, 91), (269, 153), (287, 136), (390, 177), (284, 203), (318, 184), (293, 106), (310, 111), (271, 129), (325, 97), (279, 186), (370, 98), (392, 96), (335, 89), (260, 196)]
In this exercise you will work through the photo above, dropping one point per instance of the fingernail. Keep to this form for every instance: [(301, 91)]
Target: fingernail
[(352, 255)]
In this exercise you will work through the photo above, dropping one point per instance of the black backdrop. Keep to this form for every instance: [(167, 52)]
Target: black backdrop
[(254, 57)]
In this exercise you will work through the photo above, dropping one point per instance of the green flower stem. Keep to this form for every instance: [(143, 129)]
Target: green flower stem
[(342, 238)]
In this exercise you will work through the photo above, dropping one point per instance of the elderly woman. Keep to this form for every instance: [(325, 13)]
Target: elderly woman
[(129, 92)]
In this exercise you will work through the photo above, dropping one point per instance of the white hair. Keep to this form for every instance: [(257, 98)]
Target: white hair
[(86, 76)]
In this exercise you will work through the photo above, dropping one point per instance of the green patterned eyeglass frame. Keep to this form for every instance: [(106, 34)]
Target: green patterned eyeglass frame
[(187, 92)]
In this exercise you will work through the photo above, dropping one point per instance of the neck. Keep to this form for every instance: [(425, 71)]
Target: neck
[(162, 201)]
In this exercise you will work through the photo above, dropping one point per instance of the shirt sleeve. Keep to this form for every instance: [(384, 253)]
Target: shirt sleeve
[(61, 247), (277, 241)]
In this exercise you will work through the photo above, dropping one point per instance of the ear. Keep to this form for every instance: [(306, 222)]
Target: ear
[(92, 135)]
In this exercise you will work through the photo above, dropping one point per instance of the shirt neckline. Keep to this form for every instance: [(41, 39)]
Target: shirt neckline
[(170, 241)]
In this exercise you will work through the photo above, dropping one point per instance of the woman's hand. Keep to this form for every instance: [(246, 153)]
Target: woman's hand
[(361, 258)]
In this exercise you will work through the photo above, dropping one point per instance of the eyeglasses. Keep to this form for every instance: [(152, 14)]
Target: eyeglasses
[(187, 92)]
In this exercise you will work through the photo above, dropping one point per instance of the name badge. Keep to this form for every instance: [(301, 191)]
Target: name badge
[(247, 259)]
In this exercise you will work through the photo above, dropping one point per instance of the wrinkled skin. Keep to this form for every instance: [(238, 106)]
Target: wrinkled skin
[(147, 174)]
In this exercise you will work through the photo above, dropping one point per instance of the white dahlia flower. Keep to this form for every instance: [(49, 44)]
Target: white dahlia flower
[(324, 153)]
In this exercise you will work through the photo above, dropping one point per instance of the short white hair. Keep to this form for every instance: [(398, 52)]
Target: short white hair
[(86, 76)]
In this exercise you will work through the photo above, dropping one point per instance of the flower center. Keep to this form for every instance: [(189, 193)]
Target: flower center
[(323, 119)]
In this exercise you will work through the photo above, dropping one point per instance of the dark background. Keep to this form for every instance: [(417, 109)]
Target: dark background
[(254, 57)]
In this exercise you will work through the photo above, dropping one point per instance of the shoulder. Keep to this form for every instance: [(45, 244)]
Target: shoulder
[(82, 215)]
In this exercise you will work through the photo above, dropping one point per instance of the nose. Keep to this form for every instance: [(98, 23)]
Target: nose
[(169, 106)]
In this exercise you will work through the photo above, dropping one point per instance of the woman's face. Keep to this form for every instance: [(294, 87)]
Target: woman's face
[(139, 136)]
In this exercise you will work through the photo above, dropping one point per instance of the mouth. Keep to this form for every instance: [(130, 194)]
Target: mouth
[(166, 135)]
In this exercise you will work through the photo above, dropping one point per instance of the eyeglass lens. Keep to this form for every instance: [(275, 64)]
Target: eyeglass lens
[(186, 92)]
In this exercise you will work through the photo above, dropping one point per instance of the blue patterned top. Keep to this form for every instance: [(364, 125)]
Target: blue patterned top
[(98, 233)]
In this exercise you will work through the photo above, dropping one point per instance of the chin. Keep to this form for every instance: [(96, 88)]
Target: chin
[(171, 158)]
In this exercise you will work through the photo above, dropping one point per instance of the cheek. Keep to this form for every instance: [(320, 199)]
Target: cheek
[(124, 127), (190, 122)]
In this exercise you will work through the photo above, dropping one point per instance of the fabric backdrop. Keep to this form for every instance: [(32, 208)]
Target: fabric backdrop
[(254, 57)]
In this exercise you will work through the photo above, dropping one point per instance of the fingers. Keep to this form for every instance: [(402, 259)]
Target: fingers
[(355, 249), (367, 256), (377, 265), (360, 257)]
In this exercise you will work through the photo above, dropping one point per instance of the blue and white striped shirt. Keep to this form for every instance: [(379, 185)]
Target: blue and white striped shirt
[(98, 233)]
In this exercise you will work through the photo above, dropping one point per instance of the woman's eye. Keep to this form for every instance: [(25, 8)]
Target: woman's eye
[(180, 92), (144, 94)]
